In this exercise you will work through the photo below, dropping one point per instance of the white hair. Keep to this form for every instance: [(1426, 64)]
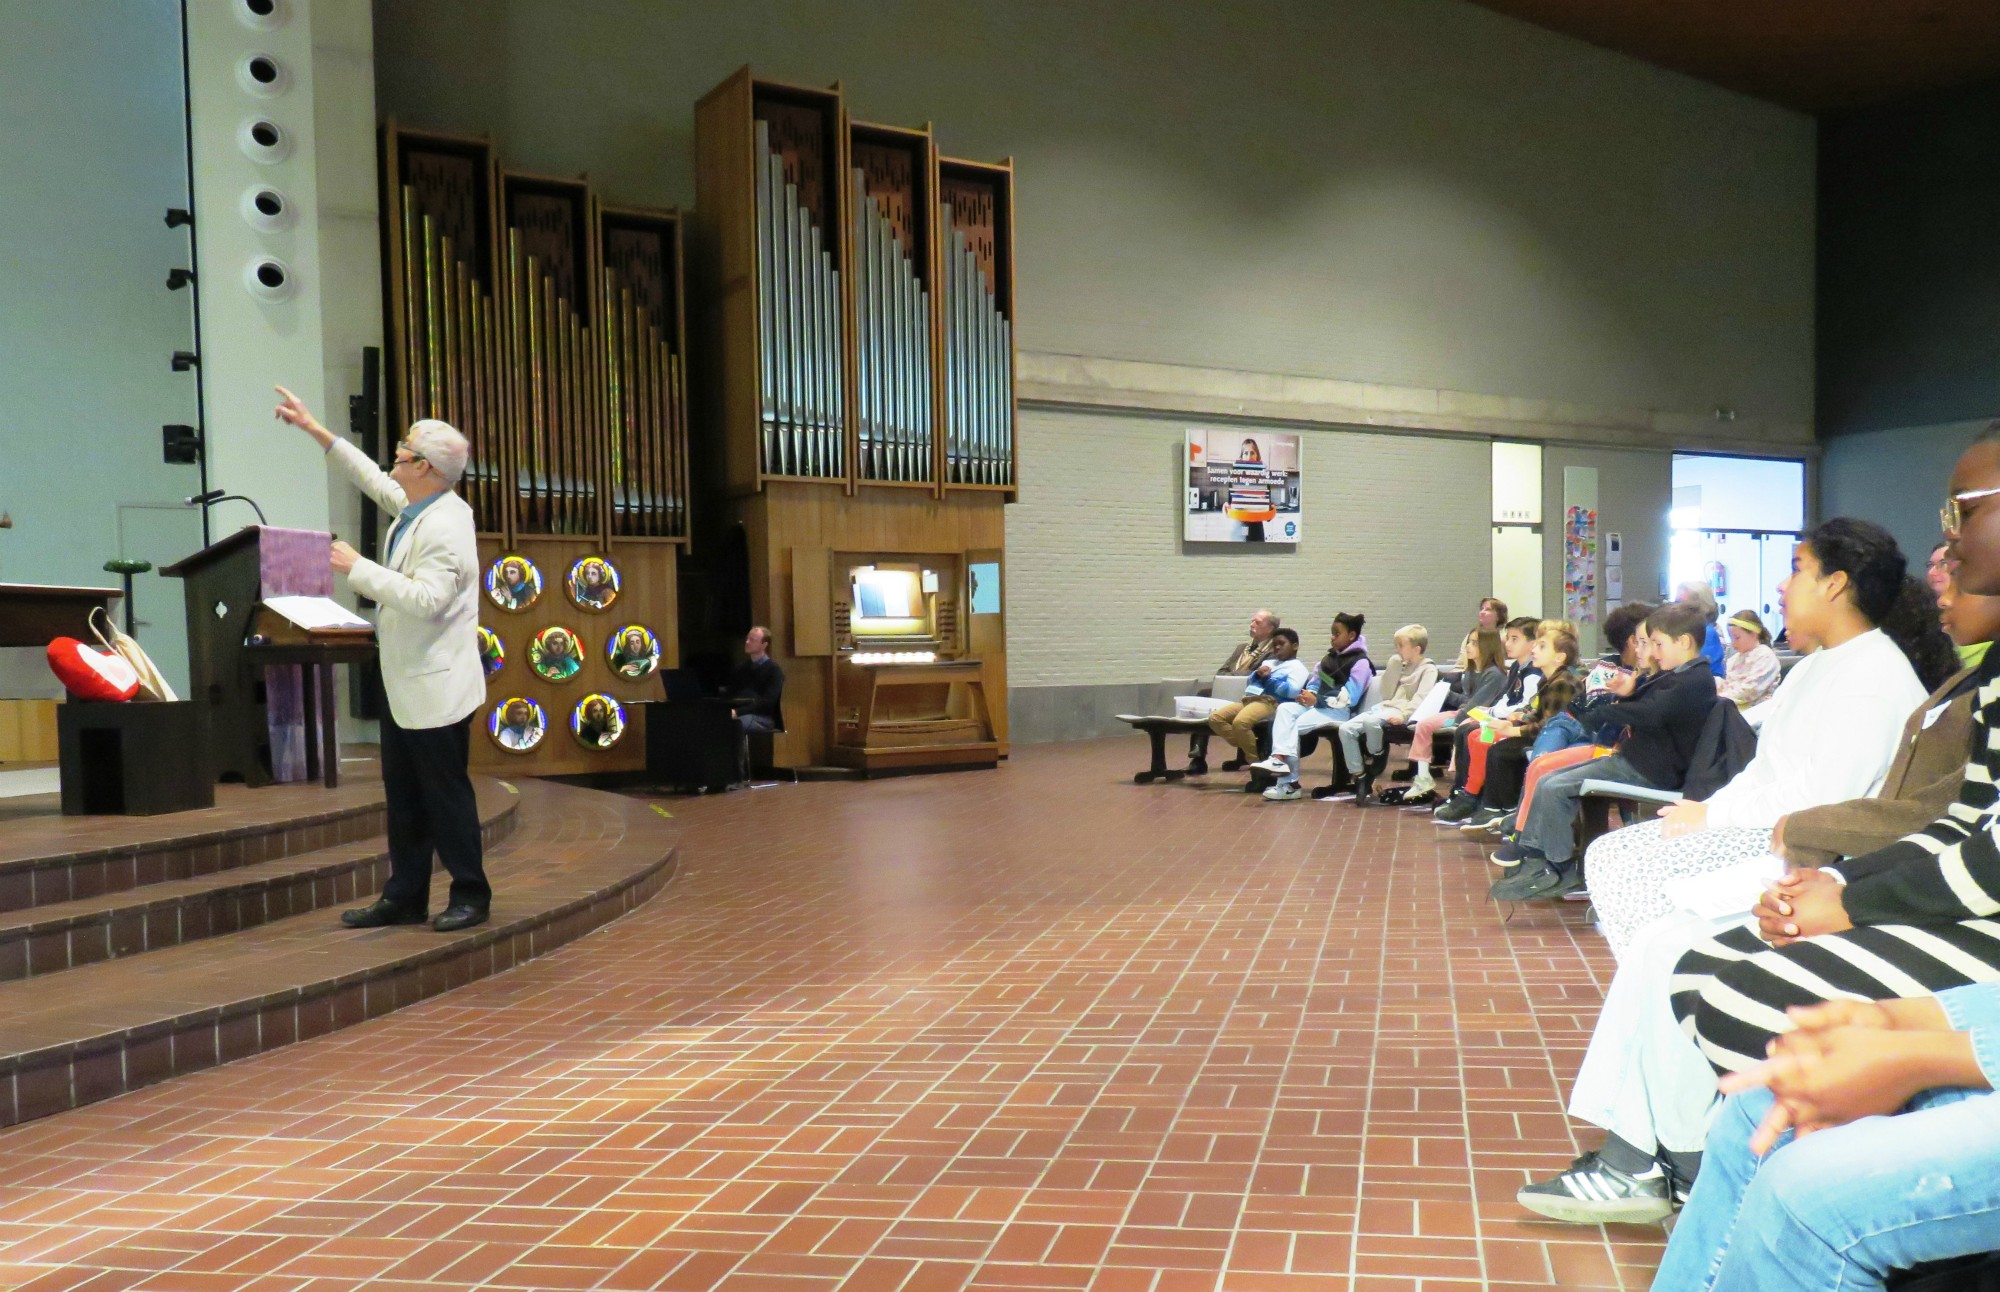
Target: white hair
[(439, 444), (1696, 592)]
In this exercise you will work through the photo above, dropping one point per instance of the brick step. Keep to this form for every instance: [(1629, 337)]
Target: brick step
[(47, 858), (56, 936), (576, 859)]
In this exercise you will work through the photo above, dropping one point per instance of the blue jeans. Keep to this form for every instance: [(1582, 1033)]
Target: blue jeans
[(1837, 1211)]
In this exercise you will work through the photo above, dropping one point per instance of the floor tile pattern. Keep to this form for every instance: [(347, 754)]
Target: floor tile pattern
[(1029, 1028)]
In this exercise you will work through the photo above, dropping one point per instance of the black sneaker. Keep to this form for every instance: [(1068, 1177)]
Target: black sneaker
[(1481, 821), (1457, 808), (1535, 881), (1591, 1193)]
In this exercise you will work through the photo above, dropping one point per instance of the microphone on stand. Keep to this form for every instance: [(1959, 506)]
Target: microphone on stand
[(214, 496)]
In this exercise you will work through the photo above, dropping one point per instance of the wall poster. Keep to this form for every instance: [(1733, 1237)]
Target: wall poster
[(1580, 565), (1242, 487)]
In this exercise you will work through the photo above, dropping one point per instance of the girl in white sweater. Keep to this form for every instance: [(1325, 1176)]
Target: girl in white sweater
[(1831, 733)]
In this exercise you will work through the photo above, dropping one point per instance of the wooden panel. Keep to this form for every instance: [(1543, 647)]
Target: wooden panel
[(986, 639), (647, 597), (28, 731), (812, 602), (788, 515), (724, 270), (1813, 55)]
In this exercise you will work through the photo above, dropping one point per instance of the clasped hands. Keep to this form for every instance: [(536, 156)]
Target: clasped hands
[(1838, 1065), (1803, 903)]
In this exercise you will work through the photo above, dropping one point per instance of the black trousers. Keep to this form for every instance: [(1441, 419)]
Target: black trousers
[(1461, 753), (432, 811), (1506, 773)]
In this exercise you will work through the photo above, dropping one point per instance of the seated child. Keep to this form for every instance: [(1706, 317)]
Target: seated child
[(1752, 672), (1551, 725), (1276, 678), (1328, 699), (1410, 678), (1663, 718), (1483, 682), (1522, 682)]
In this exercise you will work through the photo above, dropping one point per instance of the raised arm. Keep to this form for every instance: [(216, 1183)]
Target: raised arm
[(353, 463)]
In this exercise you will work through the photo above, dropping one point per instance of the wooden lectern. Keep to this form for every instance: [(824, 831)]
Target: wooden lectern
[(267, 686)]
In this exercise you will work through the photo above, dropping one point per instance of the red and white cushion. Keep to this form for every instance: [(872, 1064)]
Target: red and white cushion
[(91, 673)]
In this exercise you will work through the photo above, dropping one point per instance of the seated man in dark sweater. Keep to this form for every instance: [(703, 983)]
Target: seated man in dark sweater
[(1663, 718), (757, 687)]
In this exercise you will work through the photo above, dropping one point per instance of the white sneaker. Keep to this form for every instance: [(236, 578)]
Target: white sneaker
[(1284, 792), (1271, 765)]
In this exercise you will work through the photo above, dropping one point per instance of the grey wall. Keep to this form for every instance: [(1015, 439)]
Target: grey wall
[(1909, 302), (1635, 489), (1416, 192), (1895, 477), (91, 108), (1909, 267)]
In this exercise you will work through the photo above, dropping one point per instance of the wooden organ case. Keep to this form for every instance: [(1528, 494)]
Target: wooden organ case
[(549, 329), (856, 293)]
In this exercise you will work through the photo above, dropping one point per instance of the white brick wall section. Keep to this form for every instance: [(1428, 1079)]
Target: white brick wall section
[(1103, 590)]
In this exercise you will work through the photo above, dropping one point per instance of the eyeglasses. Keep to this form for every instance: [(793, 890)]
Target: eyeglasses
[(1951, 516), (406, 458)]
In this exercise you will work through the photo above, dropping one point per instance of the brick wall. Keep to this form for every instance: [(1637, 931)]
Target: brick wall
[(1102, 589)]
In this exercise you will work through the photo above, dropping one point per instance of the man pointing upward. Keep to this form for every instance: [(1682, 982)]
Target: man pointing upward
[(427, 585)]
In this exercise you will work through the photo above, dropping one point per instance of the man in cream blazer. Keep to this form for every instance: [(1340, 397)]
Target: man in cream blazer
[(427, 628)]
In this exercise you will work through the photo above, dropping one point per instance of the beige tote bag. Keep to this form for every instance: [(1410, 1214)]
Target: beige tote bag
[(152, 686)]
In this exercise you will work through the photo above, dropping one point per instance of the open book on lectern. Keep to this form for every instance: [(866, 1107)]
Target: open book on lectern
[(317, 614)]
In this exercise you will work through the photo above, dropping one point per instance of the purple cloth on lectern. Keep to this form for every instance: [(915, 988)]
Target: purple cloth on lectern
[(295, 562), (292, 563)]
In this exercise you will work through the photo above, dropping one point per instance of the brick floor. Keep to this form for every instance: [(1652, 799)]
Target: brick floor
[(1030, 1028)]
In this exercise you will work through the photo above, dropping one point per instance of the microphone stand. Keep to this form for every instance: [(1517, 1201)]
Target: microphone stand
[(215, 496)]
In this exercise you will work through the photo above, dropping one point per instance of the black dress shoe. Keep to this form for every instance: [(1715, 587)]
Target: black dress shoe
[(1197, 767), (1236, 764), (380, 914), (453, 918)]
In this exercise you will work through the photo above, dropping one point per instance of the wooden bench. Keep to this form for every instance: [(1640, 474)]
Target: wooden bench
[(1159, 728)]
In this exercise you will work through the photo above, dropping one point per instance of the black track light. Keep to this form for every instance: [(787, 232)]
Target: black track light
[(180, 445), (178, 216), (185, 359), (179, 278)]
